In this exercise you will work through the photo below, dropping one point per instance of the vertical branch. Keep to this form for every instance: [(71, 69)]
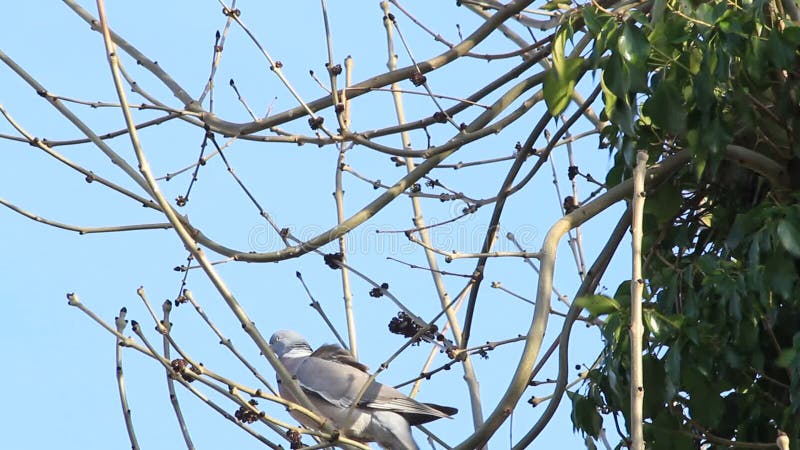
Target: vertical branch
[(347, 293), (566, 207), (121, 323), (219, 45), (636, 329), (578, 238), (338, 195), (473, 386), (166, 326), (343, 116)]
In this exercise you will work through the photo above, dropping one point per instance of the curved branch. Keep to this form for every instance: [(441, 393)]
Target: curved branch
[(235, 129), (654, 176), (776, 174), (533, 343)]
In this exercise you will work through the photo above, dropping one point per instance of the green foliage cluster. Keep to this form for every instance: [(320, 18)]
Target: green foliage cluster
[(722, 244)]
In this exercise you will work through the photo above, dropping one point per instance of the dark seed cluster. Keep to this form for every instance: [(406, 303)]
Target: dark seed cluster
[(181, 300), (334, 260), (378, 292), (294, 437), (231, 12), (185, 370), (418, 79), (315, 122), (334, 70), (570, 204), (405, 326), (247, 415), (572, 172)]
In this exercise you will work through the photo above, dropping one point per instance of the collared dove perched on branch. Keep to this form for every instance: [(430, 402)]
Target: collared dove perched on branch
[(332, 379)]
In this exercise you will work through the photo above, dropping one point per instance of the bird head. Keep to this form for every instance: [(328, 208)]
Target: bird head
[(289, 343)]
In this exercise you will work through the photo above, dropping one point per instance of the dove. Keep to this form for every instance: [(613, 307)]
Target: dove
[(332, 379)]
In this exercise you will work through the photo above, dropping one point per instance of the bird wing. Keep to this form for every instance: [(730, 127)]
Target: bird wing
[(336, 382), (380, 396), (335, 353), (332, 374)]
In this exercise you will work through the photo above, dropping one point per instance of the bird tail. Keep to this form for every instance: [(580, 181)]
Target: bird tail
[(434, 412), (449, 410)]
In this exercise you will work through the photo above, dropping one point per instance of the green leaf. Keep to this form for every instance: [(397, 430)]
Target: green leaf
[(633, 45), (666, 108), (616, 77), (616, 328), (705, 13), (780, 51), (559, 82), (667, 432), (559, 44), (654, 377), (584, 414), (558, 86), (741, 228), (695, 60), (705, 403), (779, 274), (792, 35), (606, 38), (593, 19), (623, 292), (672, 365), (648, 317), (789, 236), (657, 11), (663, 327), (699, 153), (598, 305), (622, 115), (668, 34), (664, 204), (786, 357)]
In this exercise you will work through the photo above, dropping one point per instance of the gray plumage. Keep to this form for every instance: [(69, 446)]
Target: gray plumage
[(332, 379)]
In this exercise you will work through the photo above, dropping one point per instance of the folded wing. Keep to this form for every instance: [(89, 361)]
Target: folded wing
[(332, 374)]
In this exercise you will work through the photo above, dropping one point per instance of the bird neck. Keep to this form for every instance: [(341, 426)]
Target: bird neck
[(297, 352)]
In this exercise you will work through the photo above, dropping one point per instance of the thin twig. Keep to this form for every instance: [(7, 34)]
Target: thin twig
[(442, 272), (84, 230), (226, 342), (318, 308)]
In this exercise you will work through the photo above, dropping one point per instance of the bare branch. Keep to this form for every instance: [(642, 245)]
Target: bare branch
[(637, 285)]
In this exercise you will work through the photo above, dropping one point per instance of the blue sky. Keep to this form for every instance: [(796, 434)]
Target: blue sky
[(58, 385)]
